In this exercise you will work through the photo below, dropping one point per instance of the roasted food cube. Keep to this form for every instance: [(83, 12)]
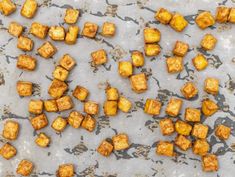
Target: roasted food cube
[(200, 131), (64, 103), (108, 29), (7, 7), (222, 14), (231, 17), (57, 88), (183, 128), (110, 108), (59, 124), (11, 130), (208, 42), (180, 48), (167, 126), (57, 33), (42, 140), (15, 29), (211, 85), (29, 8), (60, 73), (25, 168), (139, 83), (137, 58), (152, 50), (88, 123), (125, 68), (47, 50), (39, 121), (80, 93), (165, 148), (91, 107), (75, 119), (189, 90), (89, 30), (174, 106), (204, 20), (65, 170), (71, 16), (36, 106), (120, 141), (99, 57), (39, 30), (25, 43), (174, 64), (152, 107), (105, 148), (151, 35), (222, 132), (24, 88), (210, 163), (200, 62), (72, 35), (201, 147), (178, 22), (163, 16), (192, 115), (26, 62), (183, 142), (209, 107), (50, 105), (124, 104), (8, 151), (67, 62), (112, 94)]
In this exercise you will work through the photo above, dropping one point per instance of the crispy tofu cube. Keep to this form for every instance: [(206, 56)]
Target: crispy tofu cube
[(75, 119), (204, 20), (120, 141), (183, 142), (209, 107), (80, 93), (151, 35), (200, 131), (192, 115), (108, 29), (29, 8), (59, 124), (105, 148), (189, 90), (57, 88), (39, 121), (36, 106), (183, 128), (8, 151), (174, 64), (67, 62), (208, 42), (11, 130), (25, 168), (222, 132), (57, 33), (211, 85), (152, 107), (42, 140), (167, 126), (125, 68), (72, 35), (174, 106), (152, 50), (91, 107), (222, 14), (89, 123), (25, 44), (180, 49), (39, 30), (210, 163), (15, 29), (165, 148), (178, 22), (163, 16), (64, 103), (201, 147), (90, 30), (47, 50), (71, 16), (124, 104), (7, 7), (24, 88), (65, 170), (112, 94), (50, 105), (139, 83), (60, 73), (200, 62), (110, 108), (231, 17), (137, 58), (99, 57), (26, 62)]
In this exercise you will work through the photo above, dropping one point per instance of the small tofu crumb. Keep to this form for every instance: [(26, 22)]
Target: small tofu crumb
[(25, 168), (120, 141), (165, 148)]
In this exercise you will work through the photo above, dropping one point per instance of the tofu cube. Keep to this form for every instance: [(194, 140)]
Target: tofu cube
[(192, 115), (39, 30), (65, 170), (125, 68), (64, 103), (209, 107), (178, 22), (183, 128), (210, 163), (67, 62), (211, 85), (189, 90), (112, 94), (25, 168), (25, 44), (57, 88), (137, 58), (165, 148), (167, 126), (80, 93), (110, 108), (91, 107), (174, 106), (15, 29), (152, 50), (72, 35), (139, 83), (183, 142), (231, 17), (201, 147), (152, 107), (11, 130), (75, 119), (42, 140), (47, 50), (36, 106), (105, 148), (39, 121), (29, 8), (7, 7), (57, 33), (108, 29), (59, 124), (89, 123), (8, 151), (200, 131), (50, 105), (120, 141), (180, 49), (24, 88), (71, 16), (208, 42), (222, 132), (26, 62), (124, 104), (200, 62), (163, 16), (204, 20), (99, 57), (90, 30), (222, 14), (151, 35), (60, 73), (174, 64)]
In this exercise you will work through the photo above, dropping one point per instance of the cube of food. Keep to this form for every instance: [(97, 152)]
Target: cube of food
[(99, 57), (8, 151), (120, 141), (152, 50), (105, 148), (174, 64), (183, 128), (75, 119), (24, 88), (189, 90), (25, 43), (71, 16), (80, 93), (57, 88), (178, 22), (42, 140), (47, 50), (210, 163), (64, 103), (222, 132), (35, 106), (15, 29), (209, 107), (167, 126), (67, 62), (57, 33), (211, 85), (174, 106), (65, 170), (200, 62), (60, 73), (59, 124), (89, 30), (11, 130), (7, 7), (180, 48), (201, 147), (88, 123), (50, 105), (208, 42), (39, 121), (204, 20), (137, 58), (39, 30), (110, 108), (231, 17), (183, 142), (139, 83), (91, 107), (72, 35), (152, 107), (163, 16), (26, 62), (222, 14), (165, 148), (125, 68), (151, 35), (25, 168), (192, 115), (108, 29), (124, 104), (200, 131), (112, 93), (29, 8)]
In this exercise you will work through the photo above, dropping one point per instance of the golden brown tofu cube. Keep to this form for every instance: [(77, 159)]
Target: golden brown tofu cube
[(67, 62), (42, 140), (25, 168), (72, 35), (125, 68), (15, 29), (189, 90), (211, 85), (151, 35), (8, 151), (7, 7), (91, 107), (120, 141), (65, 170), (180, 49), (174, 106), (47, 50), (222, 14), (112, 94), (137, 58), (200, 62), (208, 42), (222, 132), (57, 88), (57, 33), (192, 115), (110, 108), (39, 30), (11, 130), (165, 148), (209, 107), (200, 131), (88, 123), (60, 73), (99, 57), (174, 64), (36, 106), (167, 126), (204, 20), (75, 119), (89, 30), (24, 88), (139, 83), (105, 148), (152, 107), (71, 16), (201, 147), (231, 17), (50, 105), (80, 93), (39, 121), (152, 50), (64, 103), (124, 104), (25, 43), (163, 16), (108, 29), (210, 163), (59, 124), (183, 142), (29, 8), (26, 62), (178, 22), (183, 128)]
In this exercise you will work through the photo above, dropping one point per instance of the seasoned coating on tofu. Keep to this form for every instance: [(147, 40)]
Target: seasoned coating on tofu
[(42, 140), (24, 88), (222, 14), (152, 35), (15, 29), (165, 148), (112, 93), (125, 68), (120, 142), (174, 64), (200, 130), (105, 148), (71, 16), (183, 128), (57, 33), (137, 58), (231, 17), (91, 107), (211, 85), (50, 105), (89, 123), (80, 93), (26, 62), (108, 29), (180, 48), (72, 35), (75, 119), (35, 106), (24, 43), (183, 142), (210, 163), (39, 121), (64, 103), (174, 106), (47, 50), (65, 170), (189, 90), (222, 132), (7, 7), (90, 30), (201, 147), (204, 20), (99, 57), (8, 151), (110, 108), (124, 104), (39, 30), (178, 22), (163, 16), (60, 73), (192, 115), (152, 50), (152, 107), (200, 62), (208, 42), (29, 8), (167, 126), (139, 83), (67, 62), (209, 107), (59, 124), (10, 130), (57, 88), (25, 168)]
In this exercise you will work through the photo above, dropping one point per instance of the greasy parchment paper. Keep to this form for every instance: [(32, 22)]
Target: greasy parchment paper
[(77, 145)]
